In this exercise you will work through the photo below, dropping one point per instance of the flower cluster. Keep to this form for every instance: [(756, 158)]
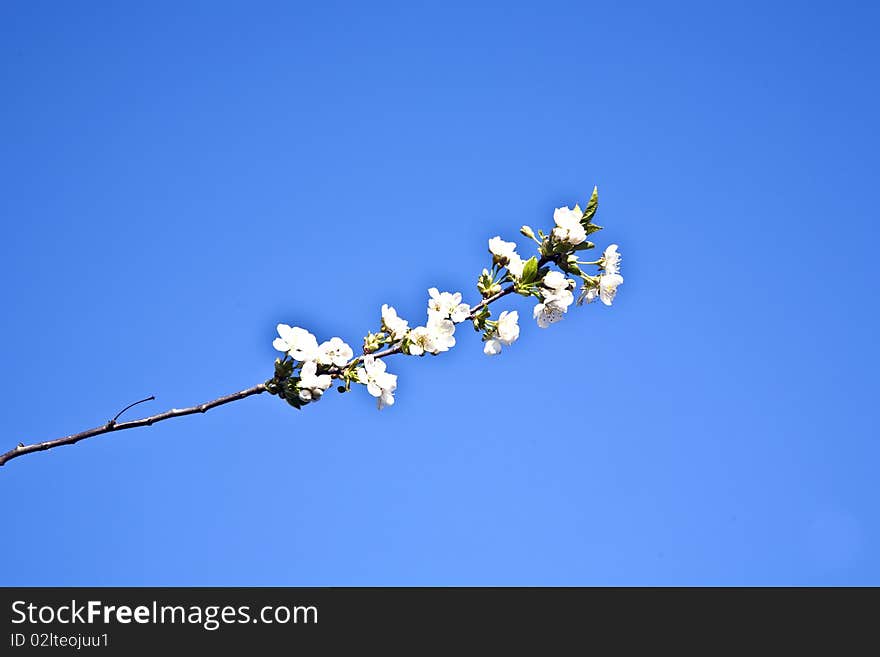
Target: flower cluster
[(556, 296), (304, 374), (445, 310), (307, 369), (605, 285), (504, 332), (569, 229), (379, 383)]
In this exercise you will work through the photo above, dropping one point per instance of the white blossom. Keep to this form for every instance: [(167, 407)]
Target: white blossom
[(558, 292), (505, 254), (561, 298), (445, 305), (507, 330), (611, 260), (395, 325), (547, 313), (298, 343), (435, 338), (568, 226), (515, 265), (608, 287), (492, 347), (588, 295), (506, 333), (380, 384), (608, 281), (311, 384), (503, 250), (440, 335), (334, 352), (556, 281), (419, 341), (556, 299)]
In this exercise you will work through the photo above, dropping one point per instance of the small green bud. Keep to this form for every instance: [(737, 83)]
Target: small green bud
[(486, 284), (372, 342)]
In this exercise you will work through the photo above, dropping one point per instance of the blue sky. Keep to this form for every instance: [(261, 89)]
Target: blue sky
[(179, 177)]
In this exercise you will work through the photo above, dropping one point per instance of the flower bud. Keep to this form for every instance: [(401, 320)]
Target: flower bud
[(486, 285), (372, 342), (528, 232)]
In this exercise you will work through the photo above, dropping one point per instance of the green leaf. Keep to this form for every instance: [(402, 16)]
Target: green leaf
[(283, 369), (583, 246), (592, 228), (592, 205), (530, 270)]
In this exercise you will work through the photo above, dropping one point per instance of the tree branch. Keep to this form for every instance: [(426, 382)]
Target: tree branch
[(111, 426)]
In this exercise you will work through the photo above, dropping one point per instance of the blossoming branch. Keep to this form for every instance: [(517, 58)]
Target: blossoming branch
[(306, 369)]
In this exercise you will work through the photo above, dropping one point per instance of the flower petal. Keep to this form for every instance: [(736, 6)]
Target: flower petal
[(492, 347)]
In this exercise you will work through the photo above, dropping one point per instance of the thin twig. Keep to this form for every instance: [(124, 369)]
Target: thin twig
[(141, 401), (72, 439)]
